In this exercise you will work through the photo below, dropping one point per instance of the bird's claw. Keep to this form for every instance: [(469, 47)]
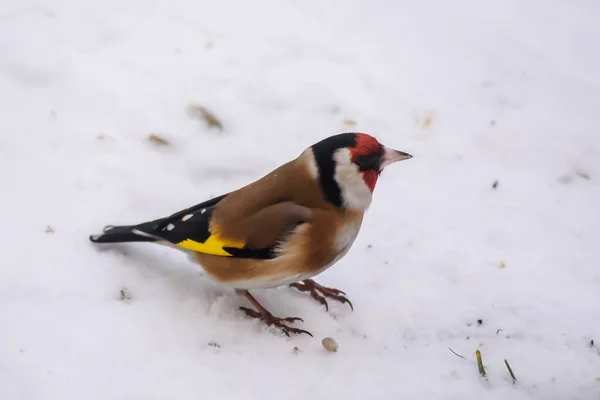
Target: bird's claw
[(319, 292), (269, 319)]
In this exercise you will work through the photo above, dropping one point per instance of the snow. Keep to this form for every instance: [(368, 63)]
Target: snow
[(478, 92)]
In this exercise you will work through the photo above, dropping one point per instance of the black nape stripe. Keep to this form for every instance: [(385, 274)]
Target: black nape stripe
[(323, 153)]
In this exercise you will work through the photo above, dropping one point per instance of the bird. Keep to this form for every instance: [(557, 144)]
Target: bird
[(283, 228)]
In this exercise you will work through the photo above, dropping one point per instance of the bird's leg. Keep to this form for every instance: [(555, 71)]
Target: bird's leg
[(319, 292), (264, 315)]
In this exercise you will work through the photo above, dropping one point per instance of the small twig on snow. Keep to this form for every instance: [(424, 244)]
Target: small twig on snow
[(456, 354), (480, 363), (510, 371)]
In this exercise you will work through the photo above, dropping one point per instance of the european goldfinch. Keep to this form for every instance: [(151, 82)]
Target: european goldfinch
[(282, 229)]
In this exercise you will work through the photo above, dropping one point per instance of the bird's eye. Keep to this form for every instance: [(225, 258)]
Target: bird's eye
[(368, 162)]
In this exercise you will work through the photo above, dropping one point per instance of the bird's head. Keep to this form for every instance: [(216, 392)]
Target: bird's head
[(348, 165)]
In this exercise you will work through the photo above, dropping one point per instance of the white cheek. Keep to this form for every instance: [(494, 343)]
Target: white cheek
[(355, 192), (357, 195)]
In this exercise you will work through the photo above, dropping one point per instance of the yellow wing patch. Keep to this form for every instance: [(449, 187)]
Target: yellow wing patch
[(213, 245)]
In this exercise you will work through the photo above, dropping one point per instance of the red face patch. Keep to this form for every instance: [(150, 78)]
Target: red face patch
[(366, 145), (370, 178)]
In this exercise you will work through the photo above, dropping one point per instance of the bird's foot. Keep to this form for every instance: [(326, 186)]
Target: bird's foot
[(269, 319), (319, 292), (264, 315)]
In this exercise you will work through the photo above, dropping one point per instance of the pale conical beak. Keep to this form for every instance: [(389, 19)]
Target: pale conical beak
[(391, 156)]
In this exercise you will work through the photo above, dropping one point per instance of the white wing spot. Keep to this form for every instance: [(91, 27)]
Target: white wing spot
[(203, 211), (186, 217), (170, 227)]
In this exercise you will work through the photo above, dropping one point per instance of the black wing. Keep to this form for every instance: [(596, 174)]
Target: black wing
[(190, 229)]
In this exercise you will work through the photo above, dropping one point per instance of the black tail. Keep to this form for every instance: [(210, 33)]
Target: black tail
[(126, 233)]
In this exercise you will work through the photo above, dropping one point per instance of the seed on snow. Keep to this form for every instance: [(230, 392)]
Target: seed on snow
[(330, 344)]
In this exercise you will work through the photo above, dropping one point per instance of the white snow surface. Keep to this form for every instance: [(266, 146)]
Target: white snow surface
[(477, 91)]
